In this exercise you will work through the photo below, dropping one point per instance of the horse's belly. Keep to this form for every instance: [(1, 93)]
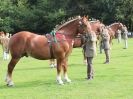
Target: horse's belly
[(41, 53), (39, 50)]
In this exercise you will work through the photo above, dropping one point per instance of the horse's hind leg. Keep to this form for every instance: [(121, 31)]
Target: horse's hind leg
[(11, 66)]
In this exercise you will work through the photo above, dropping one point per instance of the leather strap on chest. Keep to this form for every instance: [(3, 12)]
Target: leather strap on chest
[(51, 50)]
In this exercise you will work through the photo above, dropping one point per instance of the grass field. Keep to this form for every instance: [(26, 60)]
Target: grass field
[(35, 80)]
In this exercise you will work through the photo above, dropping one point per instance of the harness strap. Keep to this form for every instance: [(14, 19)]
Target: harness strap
[(53, 33), (51, 51)]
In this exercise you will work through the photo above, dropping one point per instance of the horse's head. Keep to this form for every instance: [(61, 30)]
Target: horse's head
[(87, 31), (2, 33), (124, 29), (120, 26), (84, 25), (96, 26)]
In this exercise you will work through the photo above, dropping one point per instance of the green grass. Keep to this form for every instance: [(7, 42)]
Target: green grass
[(35, 80)]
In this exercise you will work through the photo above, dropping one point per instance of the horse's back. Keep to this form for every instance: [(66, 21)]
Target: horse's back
[(25, 43), (19, 39)]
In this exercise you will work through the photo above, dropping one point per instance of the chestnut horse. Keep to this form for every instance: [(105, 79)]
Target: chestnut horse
[(113, 31), (113, 28), (2, 33), (4, 40), (96, 26), (25, 43), (77, 42)]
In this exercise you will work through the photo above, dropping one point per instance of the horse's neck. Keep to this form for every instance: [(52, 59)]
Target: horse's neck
[(114, 28), (69, 31), (95, 27)]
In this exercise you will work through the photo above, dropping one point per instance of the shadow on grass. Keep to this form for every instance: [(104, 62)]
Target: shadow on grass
[(74, 64), (31, 84), (35, 68), (75, 54)]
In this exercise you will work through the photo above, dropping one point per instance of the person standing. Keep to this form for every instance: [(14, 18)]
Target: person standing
[(105, 42), (90, 51), (119, 36), (125, 36)]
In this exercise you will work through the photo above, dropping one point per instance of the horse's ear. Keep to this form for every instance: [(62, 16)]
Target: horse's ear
[(119, 22), (87, 17), (84, 16)]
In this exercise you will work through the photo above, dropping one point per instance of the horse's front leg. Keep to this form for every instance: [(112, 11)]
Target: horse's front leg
[(65, 65), (5, 55), (59, 67)]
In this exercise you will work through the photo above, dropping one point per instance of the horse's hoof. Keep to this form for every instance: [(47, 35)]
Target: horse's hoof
[(67, 80), (60, 82), (55, 65), (107, 62), (52, 66), (10, 84)]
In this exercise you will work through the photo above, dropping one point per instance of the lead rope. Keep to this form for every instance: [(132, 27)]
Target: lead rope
[(53, 32)]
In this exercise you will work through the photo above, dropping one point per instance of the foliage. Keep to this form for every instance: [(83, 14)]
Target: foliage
[(42, 15)]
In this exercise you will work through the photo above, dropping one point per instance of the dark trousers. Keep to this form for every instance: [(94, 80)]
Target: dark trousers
[(90, 71), (107, 56)]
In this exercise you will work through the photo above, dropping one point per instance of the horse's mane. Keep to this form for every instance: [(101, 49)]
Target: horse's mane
[(114, 24), (64, 23), (92, 20)]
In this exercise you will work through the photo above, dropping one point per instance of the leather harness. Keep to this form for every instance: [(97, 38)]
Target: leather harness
[(51, 39)]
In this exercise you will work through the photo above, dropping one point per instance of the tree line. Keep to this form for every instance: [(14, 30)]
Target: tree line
[(41, 16)]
